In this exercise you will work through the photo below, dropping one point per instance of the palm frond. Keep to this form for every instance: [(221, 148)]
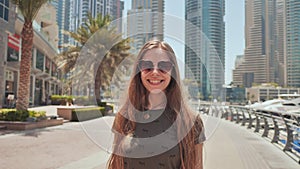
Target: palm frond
[(29, 8), (101, 50)]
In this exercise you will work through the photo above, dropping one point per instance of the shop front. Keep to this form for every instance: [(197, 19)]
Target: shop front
[(10, 89), (11, 70)]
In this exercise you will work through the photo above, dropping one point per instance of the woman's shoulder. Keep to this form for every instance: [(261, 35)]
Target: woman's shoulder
[(197, 120), (194, 115), (199, 128)]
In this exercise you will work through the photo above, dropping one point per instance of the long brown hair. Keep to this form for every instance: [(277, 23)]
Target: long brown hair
[(138, 99)]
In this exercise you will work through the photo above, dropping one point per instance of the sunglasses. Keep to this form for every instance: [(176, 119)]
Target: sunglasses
[(162, 66)]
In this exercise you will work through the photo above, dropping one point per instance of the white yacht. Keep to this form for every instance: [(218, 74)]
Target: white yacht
[(287, 106)]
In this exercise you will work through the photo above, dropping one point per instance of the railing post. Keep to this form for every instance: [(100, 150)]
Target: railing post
[(297, 118), (237, 115), (225, 114), (266, 127), (212, 109), (222, 111), (218, 110), (257, 125), (289, 138), (205, 109), (250, 118), (244, 117), (231, 113), (276, 131)]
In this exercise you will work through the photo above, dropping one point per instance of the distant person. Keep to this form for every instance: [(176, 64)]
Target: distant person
[(155, 128)]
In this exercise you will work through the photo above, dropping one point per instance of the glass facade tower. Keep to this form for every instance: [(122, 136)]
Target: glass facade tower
[(205, 35), (292, 43), (145, 21)]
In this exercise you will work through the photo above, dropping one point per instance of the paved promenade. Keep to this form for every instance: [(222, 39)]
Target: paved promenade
[(72, 146)]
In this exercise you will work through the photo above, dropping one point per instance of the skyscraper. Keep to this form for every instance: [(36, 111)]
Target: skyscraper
[(292, 42), (272, 43), (64, 10), (280, 44), (145, 21), (260, 40), (205, 45), (71, 14), (117, 13), (94, 7)]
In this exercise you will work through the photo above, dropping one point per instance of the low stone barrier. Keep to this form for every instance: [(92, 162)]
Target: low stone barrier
[(12, 125), (65, 112), (80, 113)]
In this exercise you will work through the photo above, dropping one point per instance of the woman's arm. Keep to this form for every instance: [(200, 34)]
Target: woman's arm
[(199, 155)]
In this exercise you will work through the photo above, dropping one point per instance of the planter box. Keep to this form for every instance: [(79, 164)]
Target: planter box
[(83, 116), (68, 113), (12, 125), (65, 113)]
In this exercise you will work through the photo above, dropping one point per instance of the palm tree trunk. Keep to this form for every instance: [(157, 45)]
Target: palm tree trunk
[(25, 66), (98, 86)]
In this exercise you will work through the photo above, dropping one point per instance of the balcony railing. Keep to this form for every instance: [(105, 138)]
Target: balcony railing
[(38, 30)]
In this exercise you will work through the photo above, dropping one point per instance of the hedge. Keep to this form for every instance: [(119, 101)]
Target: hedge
[(63, 99), (60, 100), (15, 115), (84, 114)]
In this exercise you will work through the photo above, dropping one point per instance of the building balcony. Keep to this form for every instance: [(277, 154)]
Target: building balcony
[(41, 40)]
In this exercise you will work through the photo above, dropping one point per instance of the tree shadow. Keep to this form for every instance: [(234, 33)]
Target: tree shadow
[(35, 132)]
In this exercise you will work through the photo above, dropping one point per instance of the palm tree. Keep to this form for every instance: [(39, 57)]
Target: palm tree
[(106, 50), (109, 65), (29, 10)]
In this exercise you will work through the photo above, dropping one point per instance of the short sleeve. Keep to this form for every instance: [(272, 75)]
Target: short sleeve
[(114, 126), (199, 130)]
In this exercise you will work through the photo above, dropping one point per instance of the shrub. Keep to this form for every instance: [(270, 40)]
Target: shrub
[(80, 100), (83, 114), (60, 99), (15, 115), (84, 100)]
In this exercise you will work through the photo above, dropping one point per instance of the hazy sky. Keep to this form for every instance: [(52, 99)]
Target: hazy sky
[(234, 38)]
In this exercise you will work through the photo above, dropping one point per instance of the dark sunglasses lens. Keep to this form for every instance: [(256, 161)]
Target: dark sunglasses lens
[(145, 65), (165, 66)]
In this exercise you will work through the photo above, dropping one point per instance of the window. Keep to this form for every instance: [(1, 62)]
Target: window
[(12, 55), (9, 75), (4, 8), (40, 60)]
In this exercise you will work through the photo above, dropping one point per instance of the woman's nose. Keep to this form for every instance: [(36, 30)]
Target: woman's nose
[(155, 70)]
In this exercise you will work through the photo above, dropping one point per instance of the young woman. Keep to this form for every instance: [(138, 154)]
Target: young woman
[(155, 128)]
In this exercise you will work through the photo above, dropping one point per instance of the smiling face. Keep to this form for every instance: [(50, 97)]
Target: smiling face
[(156, 80)]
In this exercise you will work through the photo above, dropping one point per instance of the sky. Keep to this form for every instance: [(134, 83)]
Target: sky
[(234, 31)]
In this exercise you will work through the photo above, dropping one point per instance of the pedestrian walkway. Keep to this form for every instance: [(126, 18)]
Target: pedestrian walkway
[(235, 147), (230, 146)]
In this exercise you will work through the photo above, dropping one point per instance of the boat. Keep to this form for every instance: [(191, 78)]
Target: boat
[(261, 105), (287, 106)]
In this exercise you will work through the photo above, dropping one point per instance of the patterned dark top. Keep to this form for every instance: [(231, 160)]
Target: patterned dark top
[(154, 144)]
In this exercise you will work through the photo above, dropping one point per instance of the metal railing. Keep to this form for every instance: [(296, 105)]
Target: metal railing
[(282, 129)]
